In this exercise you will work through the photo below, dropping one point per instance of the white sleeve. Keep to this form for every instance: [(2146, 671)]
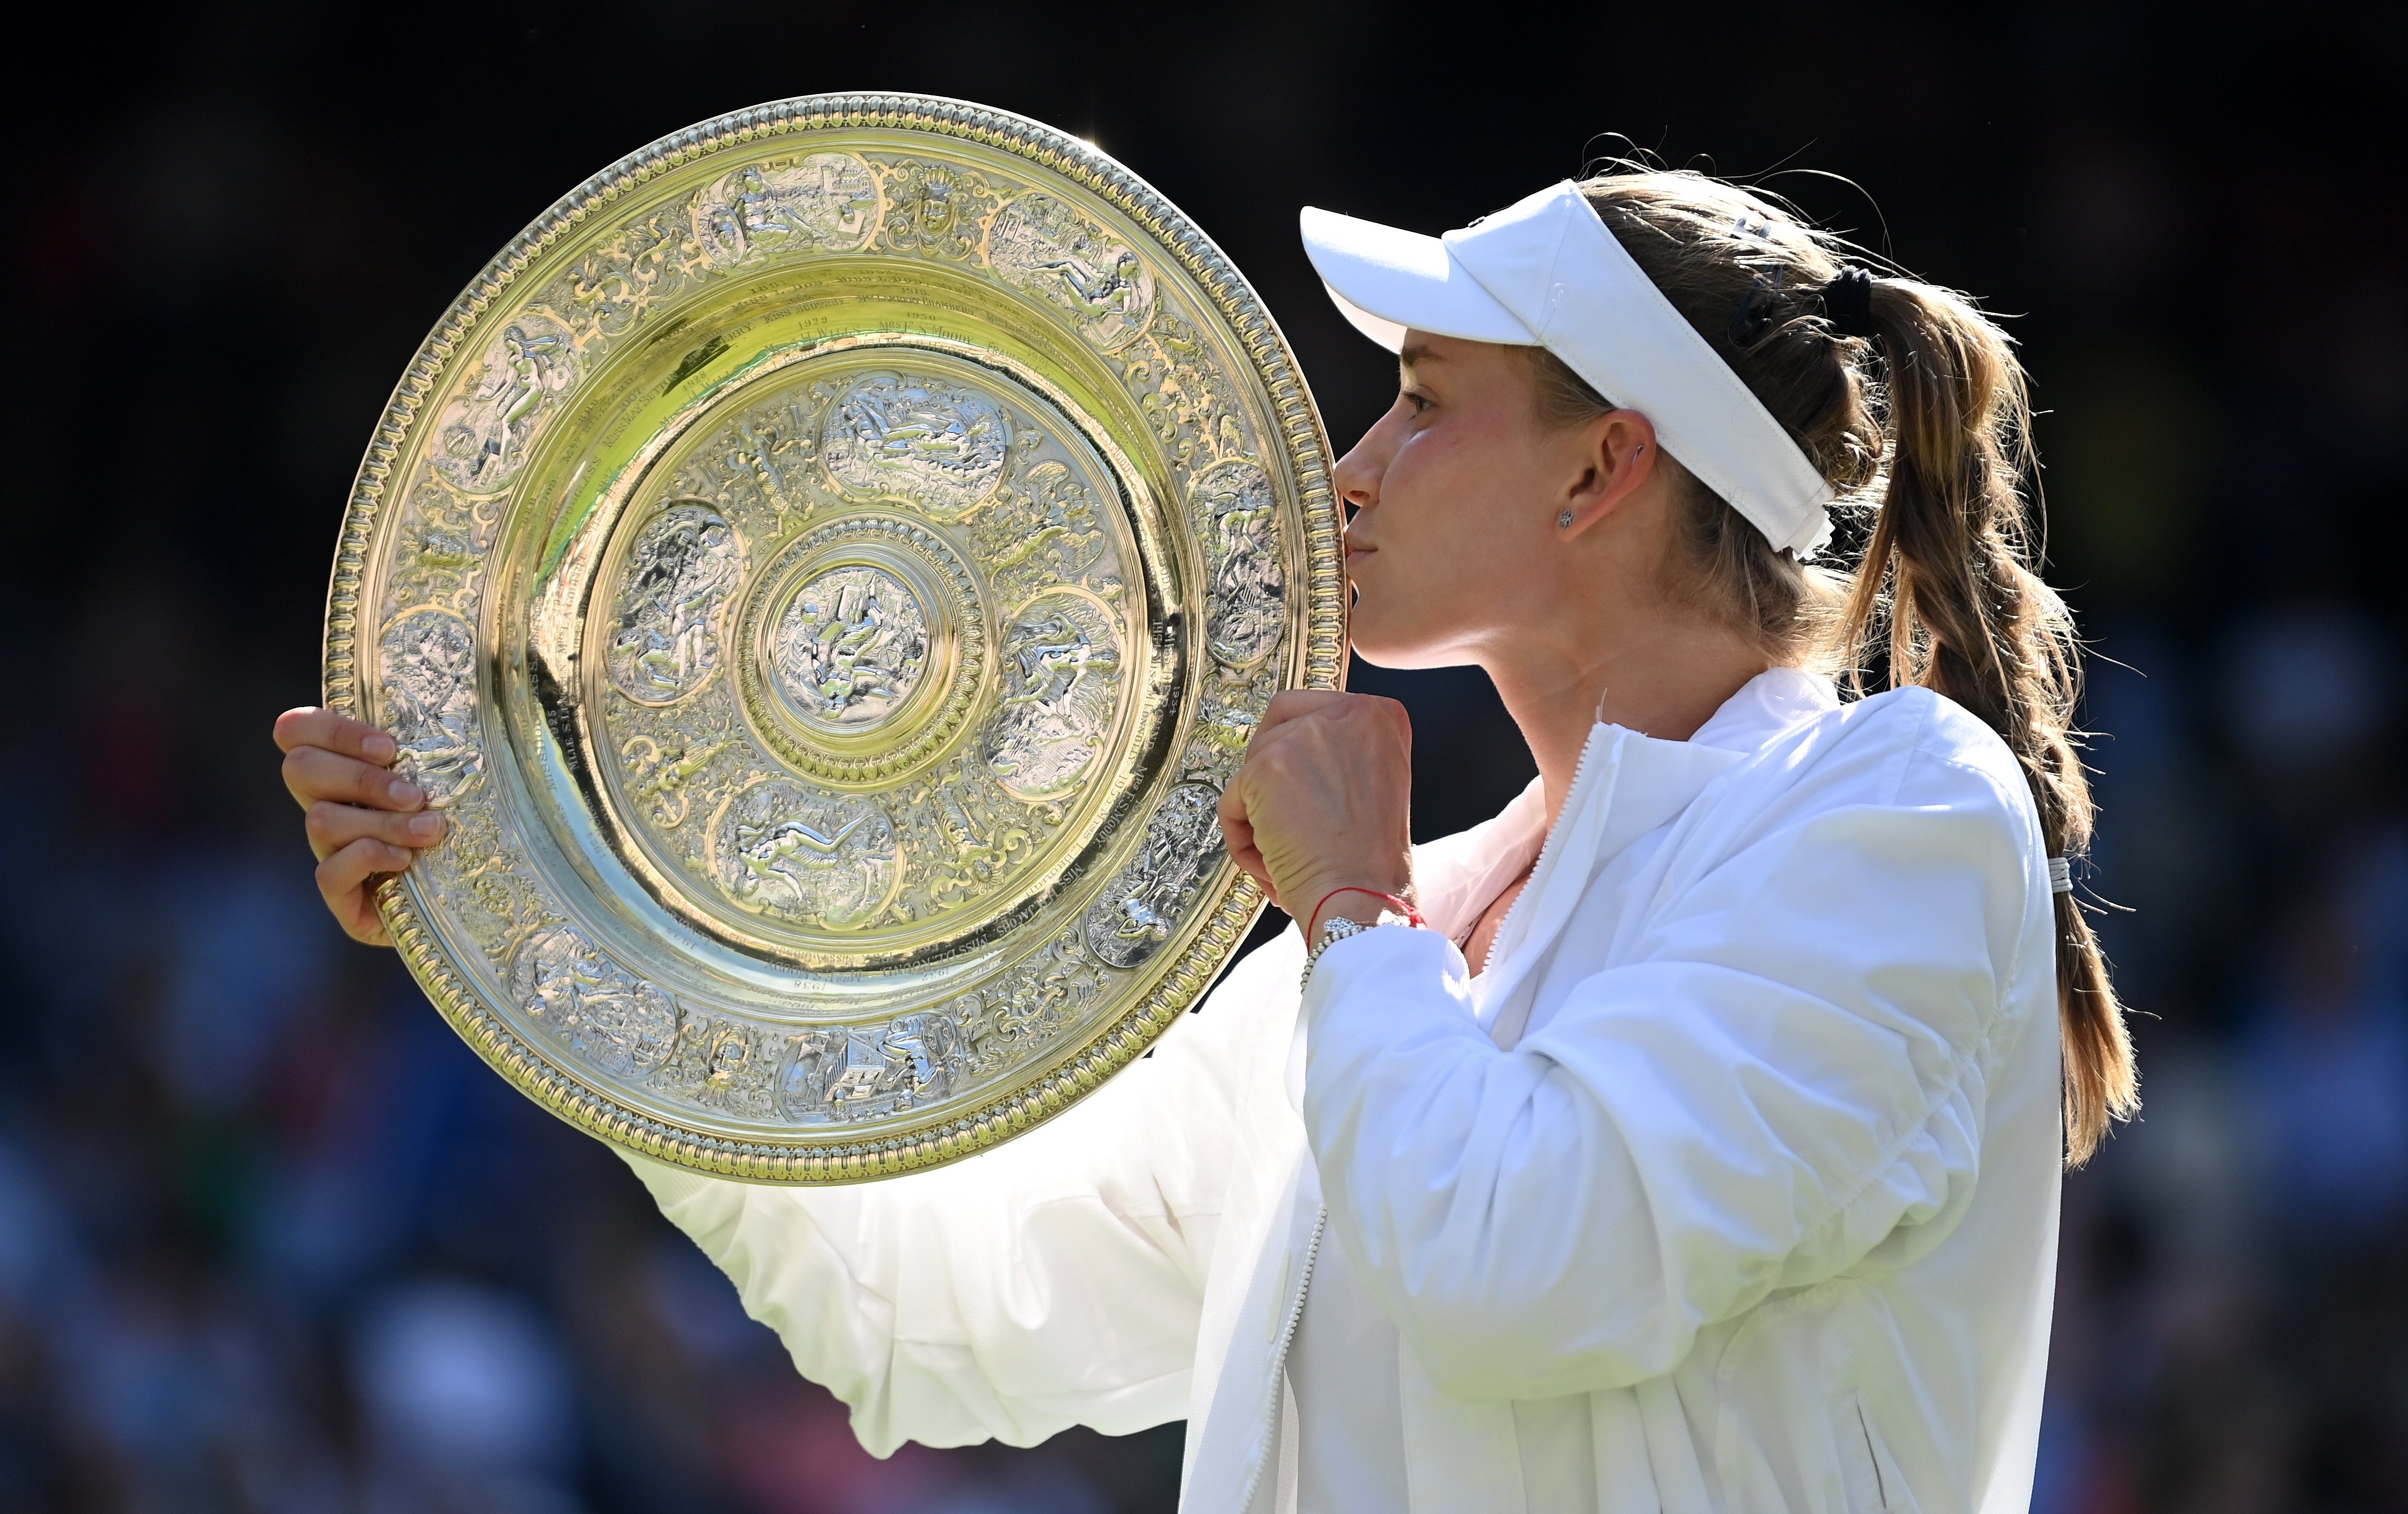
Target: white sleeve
[(1052, 1281), (1786, 1074)]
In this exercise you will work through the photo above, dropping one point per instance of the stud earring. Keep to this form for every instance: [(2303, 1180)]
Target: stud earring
[(1564, 520)]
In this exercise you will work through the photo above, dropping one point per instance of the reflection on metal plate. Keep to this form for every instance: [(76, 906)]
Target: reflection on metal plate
[(828, 567)]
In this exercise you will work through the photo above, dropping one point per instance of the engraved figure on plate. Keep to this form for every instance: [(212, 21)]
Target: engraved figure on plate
[(615, 1020), (938, 444), (937, 209), (1138, 910), (678, 572), (1061, 688), (482, 437), (797, 854), (851, 1073), (1052, 251), (1238, 519), (428, 672), (826, 201), (1041, 531), (851, 645)]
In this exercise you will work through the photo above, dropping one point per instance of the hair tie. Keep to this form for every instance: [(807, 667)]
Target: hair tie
[(1848, 302), (1749, 323)]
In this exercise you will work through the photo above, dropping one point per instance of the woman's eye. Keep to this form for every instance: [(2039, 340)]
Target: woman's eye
[(1419, 402)]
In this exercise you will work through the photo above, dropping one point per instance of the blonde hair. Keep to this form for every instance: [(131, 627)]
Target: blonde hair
[(1928, 419)]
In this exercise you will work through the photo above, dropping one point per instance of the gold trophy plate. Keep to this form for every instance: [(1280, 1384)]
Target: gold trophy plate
[(827, 569)]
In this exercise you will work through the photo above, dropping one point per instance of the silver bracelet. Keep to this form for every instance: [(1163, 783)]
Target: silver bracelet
[(1337, 928)]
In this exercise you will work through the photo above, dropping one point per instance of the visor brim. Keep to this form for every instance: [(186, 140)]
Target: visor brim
[(1387, 282)]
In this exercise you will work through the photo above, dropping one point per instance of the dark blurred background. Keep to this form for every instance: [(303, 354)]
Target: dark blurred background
[(272, 1239)]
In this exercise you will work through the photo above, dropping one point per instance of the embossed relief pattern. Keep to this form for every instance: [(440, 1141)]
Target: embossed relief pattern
[(955, 830), (816, 202), (1237, 518), (1060, 690), (785, 849), (480, 438), (851, 645), (1045, 994), (665, 633), (1051, 250), (610, 1017), (938, 446), (1138, 910), (429, 658), (936, 209), (965, 837)]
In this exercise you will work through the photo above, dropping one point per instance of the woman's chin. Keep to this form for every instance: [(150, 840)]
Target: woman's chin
[(1397, 654)]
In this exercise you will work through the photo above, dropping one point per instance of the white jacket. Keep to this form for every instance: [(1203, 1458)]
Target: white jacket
[(1748, 1139)]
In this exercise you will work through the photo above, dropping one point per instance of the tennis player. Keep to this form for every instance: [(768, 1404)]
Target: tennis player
[(1687, 1136)]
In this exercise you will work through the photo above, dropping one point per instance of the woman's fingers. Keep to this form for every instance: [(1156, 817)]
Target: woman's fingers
[(315, 773), (1324, 798), (343, 879), (333, 827), (362, 820), (1240, 833), (314, 726), (1294, 703)]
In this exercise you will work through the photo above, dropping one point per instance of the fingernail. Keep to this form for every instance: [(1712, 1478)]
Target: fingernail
[(429, 826), (380, 748), (404, 792)]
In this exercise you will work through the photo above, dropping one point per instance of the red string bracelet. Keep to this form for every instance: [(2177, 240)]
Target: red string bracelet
[(1404, 908)]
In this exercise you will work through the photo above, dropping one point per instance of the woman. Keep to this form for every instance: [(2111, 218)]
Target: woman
[(1686, 1136)]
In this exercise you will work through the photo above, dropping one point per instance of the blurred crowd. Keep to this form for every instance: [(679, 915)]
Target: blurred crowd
[(272, 1239)]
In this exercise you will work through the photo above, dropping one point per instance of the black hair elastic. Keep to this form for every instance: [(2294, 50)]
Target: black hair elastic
[(1848, 302), (1750, 322)]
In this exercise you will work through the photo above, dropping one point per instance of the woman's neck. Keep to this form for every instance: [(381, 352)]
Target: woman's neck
[(1665, 682)]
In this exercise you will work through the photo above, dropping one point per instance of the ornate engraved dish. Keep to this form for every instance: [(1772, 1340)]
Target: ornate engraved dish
[(826, 568)]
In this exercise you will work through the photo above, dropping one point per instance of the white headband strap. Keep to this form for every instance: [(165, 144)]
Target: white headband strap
[(1552, 262)]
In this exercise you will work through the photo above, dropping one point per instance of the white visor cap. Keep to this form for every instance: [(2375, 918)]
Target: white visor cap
[(1547, 273)]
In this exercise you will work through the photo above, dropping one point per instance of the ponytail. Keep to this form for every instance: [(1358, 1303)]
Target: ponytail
[(1946, 598), (1916, 407)]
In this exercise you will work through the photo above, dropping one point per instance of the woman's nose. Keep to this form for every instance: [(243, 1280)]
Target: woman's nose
[(1356, 477)]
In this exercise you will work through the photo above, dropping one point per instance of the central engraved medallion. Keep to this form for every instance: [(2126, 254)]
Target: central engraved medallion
[(850, 647), (867, 654)]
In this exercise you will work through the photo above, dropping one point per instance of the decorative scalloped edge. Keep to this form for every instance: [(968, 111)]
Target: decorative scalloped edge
[(1240, 898)]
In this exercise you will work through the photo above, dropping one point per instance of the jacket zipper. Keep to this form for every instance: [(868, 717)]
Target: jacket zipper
[(1546, 849), (1279, 1352), (1321, 1214)]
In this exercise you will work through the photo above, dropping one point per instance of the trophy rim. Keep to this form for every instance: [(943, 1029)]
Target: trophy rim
[(1106, 1048)]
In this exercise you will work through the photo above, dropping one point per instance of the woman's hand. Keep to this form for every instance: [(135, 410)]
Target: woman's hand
[(1324, 801), (362, 820)]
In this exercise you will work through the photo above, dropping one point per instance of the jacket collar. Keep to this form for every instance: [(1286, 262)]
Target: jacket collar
[(1627, 785)]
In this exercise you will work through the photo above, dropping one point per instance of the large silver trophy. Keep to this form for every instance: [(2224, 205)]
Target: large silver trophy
[(826, 568)]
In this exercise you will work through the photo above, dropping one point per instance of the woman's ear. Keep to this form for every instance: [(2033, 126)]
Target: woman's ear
[(1616, 456)]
